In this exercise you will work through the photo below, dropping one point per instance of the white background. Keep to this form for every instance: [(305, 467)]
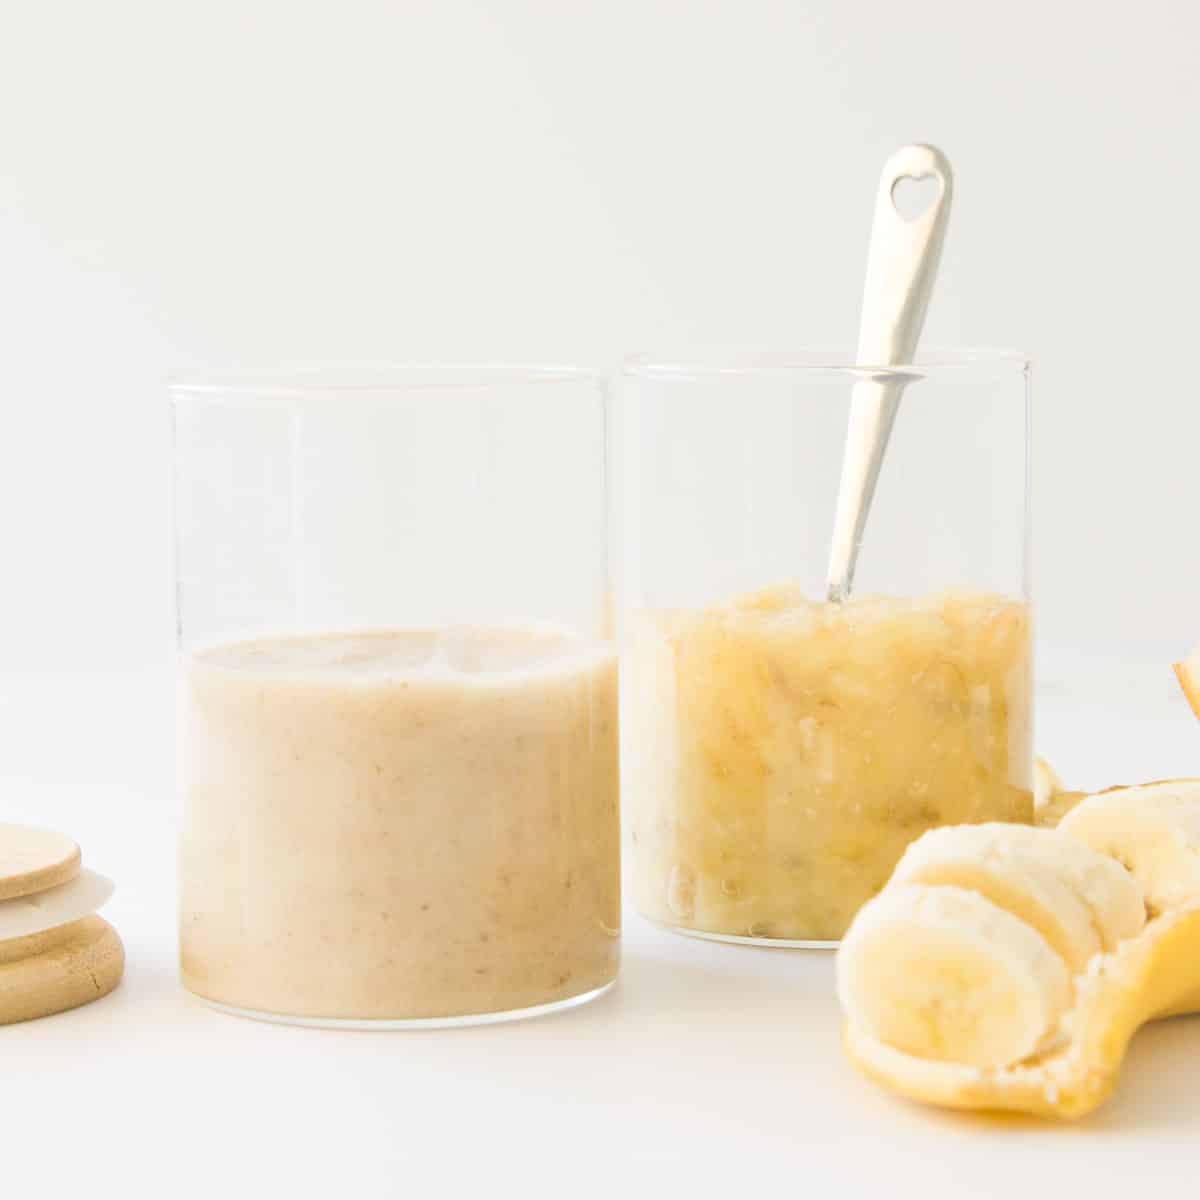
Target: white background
[(256, 183)]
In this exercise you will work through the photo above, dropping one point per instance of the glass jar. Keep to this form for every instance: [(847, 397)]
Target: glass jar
[(398, 695), (781, 750)]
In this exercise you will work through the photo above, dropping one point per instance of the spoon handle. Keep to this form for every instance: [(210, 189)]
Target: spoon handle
[(902, 263)]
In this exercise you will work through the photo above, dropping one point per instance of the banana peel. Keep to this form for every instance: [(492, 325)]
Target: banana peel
[(1046, 784), (1051, 801), (1148, 977), (1153, 975), (1188, 674)]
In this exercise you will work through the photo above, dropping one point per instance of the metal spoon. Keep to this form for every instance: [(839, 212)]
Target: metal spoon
[(901, 266)]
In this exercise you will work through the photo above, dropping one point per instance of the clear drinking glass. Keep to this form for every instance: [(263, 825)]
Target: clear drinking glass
[(780, 752), (398, 694)]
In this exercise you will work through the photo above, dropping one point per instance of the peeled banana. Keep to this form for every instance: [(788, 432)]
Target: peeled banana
[(948, 1003)]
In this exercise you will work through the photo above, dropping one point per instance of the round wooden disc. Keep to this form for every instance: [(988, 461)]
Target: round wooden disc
[(62, 968), (32, 860)]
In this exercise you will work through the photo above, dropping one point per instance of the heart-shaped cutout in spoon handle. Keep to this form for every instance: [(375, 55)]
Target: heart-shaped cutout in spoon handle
[(902, 264)]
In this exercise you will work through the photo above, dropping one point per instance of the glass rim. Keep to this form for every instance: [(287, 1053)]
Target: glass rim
[(371, 378), (815, 361)]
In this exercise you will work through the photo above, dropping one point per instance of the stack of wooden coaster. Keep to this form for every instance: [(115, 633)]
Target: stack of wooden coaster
[(55, 953)]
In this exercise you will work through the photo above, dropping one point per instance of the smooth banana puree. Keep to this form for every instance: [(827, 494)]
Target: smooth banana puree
[(394, 826)]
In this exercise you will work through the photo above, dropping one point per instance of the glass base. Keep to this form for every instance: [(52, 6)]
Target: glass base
[(769, 943), (383, 1025)]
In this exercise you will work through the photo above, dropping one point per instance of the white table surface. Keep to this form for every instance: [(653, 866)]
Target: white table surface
[(710, 1070)]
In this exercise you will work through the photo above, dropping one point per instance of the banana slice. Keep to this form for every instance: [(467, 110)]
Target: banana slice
[(943, 974), (1188, 672), (1152, 830), (1078, 900)]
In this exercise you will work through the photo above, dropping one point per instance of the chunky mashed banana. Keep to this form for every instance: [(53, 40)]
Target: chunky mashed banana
[(783, 753)]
